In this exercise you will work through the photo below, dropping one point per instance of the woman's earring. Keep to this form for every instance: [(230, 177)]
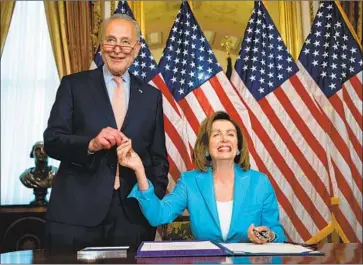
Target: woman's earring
[(207, 154), (238, 153)]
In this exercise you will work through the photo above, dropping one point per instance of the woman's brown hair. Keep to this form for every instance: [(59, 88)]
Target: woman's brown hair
[(202, 144)]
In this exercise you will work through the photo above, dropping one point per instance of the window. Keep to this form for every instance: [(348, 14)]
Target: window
[(29, 81)]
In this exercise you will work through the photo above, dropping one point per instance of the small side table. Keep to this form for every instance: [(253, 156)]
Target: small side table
[(22, 227)]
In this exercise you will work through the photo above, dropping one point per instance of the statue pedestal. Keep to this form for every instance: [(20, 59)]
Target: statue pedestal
[(40, 194)]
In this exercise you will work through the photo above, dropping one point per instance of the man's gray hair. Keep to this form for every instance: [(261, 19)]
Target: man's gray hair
[(118, 16)]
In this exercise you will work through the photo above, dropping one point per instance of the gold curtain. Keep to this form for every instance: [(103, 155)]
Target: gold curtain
[(137, 8), (6, 12), (291, 26), (353, 11), (70, 27)]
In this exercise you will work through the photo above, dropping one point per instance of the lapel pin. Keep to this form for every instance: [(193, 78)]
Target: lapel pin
[(141, 91)]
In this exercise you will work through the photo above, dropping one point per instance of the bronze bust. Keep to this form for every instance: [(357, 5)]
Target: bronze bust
[(41, 176)]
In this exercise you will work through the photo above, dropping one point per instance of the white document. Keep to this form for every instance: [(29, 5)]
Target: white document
[(106, 248), (93, 253), (170, 245), (269, 248)]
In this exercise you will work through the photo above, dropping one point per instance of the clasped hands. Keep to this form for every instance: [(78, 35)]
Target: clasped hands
[(109, 137), (260, 234)]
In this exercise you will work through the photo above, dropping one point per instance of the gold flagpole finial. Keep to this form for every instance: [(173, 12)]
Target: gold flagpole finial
[(226, 43), (112, 7)]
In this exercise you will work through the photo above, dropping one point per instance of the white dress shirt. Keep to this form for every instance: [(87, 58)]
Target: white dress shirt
[(225, 215)]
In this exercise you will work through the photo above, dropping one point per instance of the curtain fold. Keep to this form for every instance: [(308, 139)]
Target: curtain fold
[(70, 28), (291, 27), (29, 82), (6, 12)]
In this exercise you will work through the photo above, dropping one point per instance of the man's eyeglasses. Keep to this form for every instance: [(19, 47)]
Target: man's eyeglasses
[(126, 49)]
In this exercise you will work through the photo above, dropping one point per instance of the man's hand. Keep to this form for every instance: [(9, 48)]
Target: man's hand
[(106, 139)]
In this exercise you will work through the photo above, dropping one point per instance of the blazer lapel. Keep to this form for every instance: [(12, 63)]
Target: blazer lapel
[(99, 93), (241, 184), (206, 186), (136, 96)]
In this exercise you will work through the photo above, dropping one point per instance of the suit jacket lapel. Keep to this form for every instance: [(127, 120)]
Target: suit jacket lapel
[(99, 93), (206, 186), (241, 184), (136, 95)]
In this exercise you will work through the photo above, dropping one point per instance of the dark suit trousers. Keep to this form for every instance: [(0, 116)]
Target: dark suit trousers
[(115, 230)]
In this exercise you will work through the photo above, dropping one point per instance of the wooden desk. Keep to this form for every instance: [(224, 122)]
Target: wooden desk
[(335, 253)]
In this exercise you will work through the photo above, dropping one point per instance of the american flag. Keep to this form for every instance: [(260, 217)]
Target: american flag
[(290, 142), (331, 61), (195, 78), (145, 68)]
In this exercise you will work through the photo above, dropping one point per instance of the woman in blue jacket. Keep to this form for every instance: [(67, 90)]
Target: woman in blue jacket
[(227, 201)]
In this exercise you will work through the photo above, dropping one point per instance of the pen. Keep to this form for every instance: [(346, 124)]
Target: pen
[(262, 235)]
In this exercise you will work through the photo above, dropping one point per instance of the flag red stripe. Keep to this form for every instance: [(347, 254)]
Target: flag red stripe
[(285, 170), (355, 112), (344, 224), (221, 93), (342, 148), (348, 194), (355, 143), (178, 142), (173, 169), (357, 86), (189, 115), (289, 239), (341, 218), (314, 144), (338, 106), (290, 211), (159, 82), (283, 200), (227, 104), (191, 148), (300, 159), (316, 112), (310, 173), (203, 101)]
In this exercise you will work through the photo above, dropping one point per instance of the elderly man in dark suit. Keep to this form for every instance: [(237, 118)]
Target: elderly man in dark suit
[(94, 112)]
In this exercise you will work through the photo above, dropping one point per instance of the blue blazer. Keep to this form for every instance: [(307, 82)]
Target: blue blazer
[(254, 202)]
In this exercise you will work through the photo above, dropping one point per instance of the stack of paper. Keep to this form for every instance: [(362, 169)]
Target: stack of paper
[(266, 249), (179, 249), (92, 253), (208, 248)]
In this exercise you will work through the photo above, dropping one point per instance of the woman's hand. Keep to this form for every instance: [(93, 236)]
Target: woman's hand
[(260, 234), (127, 157)]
